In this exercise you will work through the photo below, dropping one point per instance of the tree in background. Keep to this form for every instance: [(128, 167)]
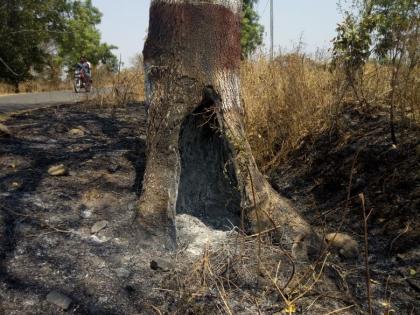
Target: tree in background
[(83, 38), (384, 31), (252, 30), (26, 26), (45, 35)]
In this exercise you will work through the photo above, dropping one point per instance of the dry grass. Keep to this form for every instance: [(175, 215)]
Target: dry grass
[(35, 86), (125, 87), (235, 277), (295, 98), (291, 100), (286, 100), (375, 86)]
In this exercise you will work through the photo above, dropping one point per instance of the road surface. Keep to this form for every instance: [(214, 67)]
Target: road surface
[(17, 102)]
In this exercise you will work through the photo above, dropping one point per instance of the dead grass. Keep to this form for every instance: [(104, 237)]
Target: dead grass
[(285, 100), (295, 98), (235, 278), (291, 100), (125, 87), (35, 86)]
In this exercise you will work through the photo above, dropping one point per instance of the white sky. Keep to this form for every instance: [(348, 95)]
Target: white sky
[(124, 23)]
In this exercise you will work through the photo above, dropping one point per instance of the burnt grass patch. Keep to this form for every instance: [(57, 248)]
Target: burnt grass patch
[(317, 178), (46, 242)]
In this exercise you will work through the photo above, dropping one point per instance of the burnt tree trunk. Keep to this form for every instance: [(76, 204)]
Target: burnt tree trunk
[(198, 158)]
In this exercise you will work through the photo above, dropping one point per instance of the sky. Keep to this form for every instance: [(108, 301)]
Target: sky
[(124, 24)]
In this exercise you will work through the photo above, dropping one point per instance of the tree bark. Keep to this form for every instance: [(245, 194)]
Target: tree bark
[(198, 158)]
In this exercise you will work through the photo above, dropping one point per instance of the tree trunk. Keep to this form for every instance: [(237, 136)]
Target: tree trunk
[(198, 158)]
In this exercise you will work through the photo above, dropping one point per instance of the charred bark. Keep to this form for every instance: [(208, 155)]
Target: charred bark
[(198, 158)]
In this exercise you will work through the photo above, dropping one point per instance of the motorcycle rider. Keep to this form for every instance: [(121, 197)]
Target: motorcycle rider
[(87, 67), (84, 67)]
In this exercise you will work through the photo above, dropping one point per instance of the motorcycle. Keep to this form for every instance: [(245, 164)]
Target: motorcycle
[(81, 80)]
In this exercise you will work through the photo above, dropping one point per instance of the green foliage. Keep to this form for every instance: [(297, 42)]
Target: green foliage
[(353, 41), (252, 31), (82, 37), (386, 31), (397, 23), (26, 27), (380, 28), (42, 34)]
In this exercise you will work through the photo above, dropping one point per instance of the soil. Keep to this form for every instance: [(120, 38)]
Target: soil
[(47, 242)]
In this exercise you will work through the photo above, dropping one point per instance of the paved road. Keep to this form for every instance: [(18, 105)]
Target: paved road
[(12, 103)]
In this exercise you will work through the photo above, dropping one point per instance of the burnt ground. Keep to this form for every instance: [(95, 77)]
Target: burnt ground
[(45, 232), (317, 179), (46, 242)]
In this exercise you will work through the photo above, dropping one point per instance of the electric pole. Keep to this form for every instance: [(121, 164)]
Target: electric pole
[(271, 30)]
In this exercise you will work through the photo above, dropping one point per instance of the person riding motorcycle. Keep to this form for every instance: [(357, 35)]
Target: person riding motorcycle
[(87, 67), (83, 74)]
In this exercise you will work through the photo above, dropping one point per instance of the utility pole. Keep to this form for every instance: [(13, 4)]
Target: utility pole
[(271, 30)]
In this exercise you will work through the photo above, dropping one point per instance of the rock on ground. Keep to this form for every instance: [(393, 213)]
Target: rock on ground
[(59, 299), (58, 170), (98, 226)]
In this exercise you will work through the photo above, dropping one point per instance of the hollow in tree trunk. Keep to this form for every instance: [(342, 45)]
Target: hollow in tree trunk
[(198, 158)]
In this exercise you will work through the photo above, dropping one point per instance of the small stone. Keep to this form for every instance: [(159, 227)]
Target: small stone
[(161, 264), (85, 213), (98, 226), (123, 273), (59, 299), (346, 246), (4, 131), (99, 240), (58, 170), (76, 132), (16, 185)]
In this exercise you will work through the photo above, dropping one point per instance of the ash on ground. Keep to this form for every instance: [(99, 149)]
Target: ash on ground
[(68, 242)]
